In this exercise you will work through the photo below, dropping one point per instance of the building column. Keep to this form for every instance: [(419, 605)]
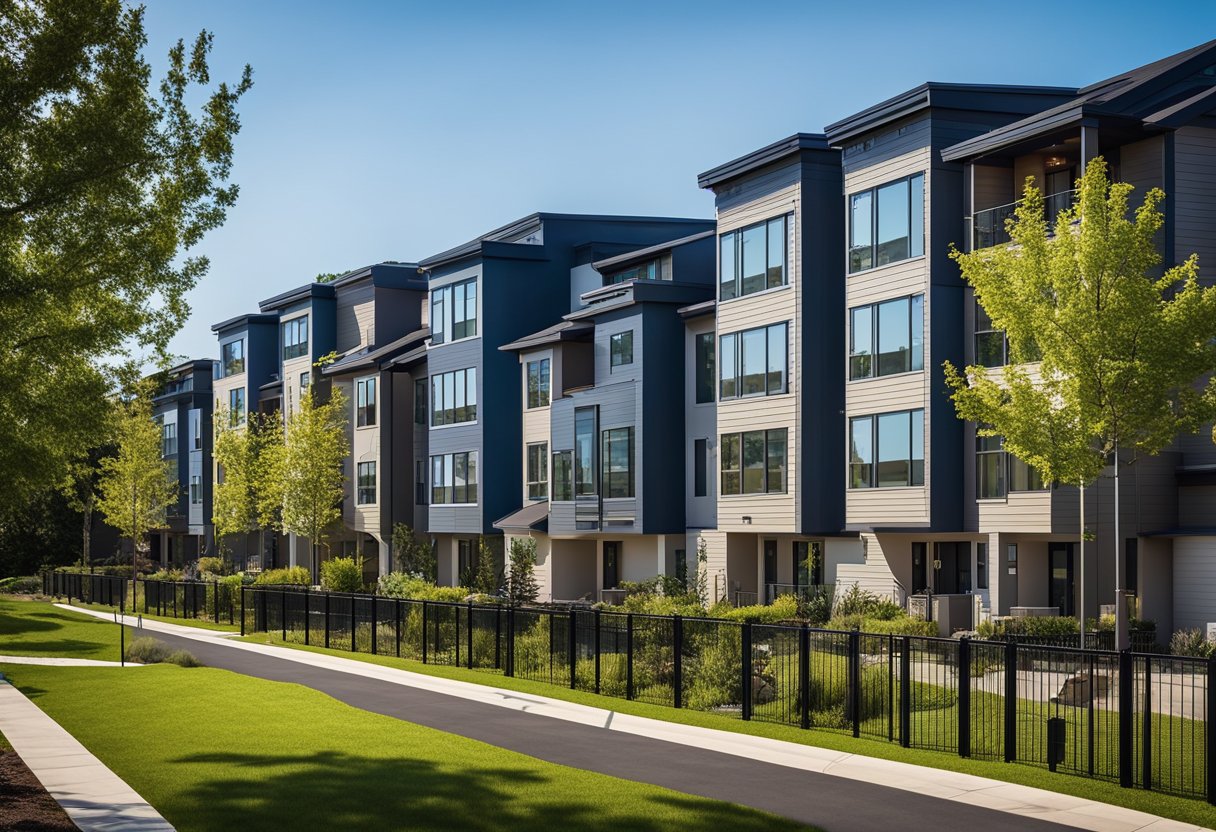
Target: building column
[(292, 553), (164, 549), (386, 557)]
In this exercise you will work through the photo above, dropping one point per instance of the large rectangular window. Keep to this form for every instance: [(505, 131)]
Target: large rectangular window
[(563, 477), (887, 338), (998, 472), (617, 456), (887, 223), (454, 478), (236, 406), (454, 397), (233, 357), (754, 362), (753, 259), (365, 402), (538, 471), (365, 494), (295, 337), (650, 270), (754, 462), (704, 359), (454, 311), (620, 348), (887, 450), (168, 439), (584, 452), (538, 383)]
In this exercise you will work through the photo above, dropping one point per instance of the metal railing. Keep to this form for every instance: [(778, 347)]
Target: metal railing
[(212, 601), (988, 226)]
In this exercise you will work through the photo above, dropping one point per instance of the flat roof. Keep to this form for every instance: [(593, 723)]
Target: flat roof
[(767, 155), (638, 254)]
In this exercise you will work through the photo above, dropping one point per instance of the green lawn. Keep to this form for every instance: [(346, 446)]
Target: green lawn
[(214, 750), (37, 628), (1178, 808)]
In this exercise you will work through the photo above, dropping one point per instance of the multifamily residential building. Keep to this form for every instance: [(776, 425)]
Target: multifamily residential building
[(765, 388)]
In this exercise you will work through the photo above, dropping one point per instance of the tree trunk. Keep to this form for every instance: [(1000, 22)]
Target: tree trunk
[(1122, 636), (86, 525)]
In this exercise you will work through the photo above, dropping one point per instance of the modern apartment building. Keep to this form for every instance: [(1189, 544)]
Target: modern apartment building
[(182, 406)]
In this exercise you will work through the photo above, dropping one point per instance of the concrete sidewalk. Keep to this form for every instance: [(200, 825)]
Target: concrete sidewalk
[(816, 786), (55, 661), (94, 797)]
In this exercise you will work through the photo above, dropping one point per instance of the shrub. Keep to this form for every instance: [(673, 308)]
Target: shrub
[(165, 575), (783, 608), (183, 658), (817, 609), (1043, 626), (342, 575), (401, 585), (297, 575), (900, 626), (1191, 643), (413, 554), (521, 578), (31, 585), (858, 601), (712, 671), (211, 566), (147, 650)]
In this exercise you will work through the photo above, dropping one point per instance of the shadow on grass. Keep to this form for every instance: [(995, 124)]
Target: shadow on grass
[(334, 790)]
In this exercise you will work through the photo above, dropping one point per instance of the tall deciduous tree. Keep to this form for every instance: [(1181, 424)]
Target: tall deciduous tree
[(106, 182), (311, 473), (1119, 351), (485, 575), (247, 496), (137, 484), (413, 554)]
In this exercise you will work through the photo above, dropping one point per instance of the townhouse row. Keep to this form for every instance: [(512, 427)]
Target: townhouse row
[(765, 387)]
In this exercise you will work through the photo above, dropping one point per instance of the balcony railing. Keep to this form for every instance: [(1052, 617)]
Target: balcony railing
[(988, 226)]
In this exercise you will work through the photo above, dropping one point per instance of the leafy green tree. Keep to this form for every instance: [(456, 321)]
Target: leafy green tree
[(247, 495), (311, 472), (521, 572), (413, 554), (137, 484), (108, 182), (1119, 351), (485, 578), (80, 488)]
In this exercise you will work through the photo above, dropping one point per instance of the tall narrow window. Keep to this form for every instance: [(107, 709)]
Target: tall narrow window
[(620, 348), (700, 467), (196, 430), (705, 367), (861, 452), (617, 456), (990, 348), (981, 565), (365, 402), (887, 223), (419, 483), (233, 357), (731, 470), (538, 383), (753, 259), (295, 337), (366, 484), (439, 316), (563, 485), (196, 490), (168, 439), (989, 467), (584, 452), (728, 383), (728, 281), (420, 401), (236, 406), (538, 471)]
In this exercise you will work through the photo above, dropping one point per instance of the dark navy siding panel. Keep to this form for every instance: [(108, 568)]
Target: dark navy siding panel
[(661, 456), (324, 326)]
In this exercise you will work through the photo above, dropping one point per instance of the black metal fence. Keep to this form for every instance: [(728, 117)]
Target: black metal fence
[(213, 601), (1139, 720)]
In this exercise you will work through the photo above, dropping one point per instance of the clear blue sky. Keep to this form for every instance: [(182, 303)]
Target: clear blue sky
[(391, 131)]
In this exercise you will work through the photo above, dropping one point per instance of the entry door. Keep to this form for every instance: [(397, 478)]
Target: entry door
[(920, 567), (1060, 579), (612, 562), (770, 563), (954, 576)]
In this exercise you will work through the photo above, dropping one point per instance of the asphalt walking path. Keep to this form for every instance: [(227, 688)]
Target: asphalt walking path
[(859, 793)]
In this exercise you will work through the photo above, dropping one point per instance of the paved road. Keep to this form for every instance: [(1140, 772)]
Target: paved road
[(836, 804)]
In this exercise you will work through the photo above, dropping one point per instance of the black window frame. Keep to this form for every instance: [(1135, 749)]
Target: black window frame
[(869, 364), (705, 360), (620, 349), (981, 565), (196, 489), (586, 478), (295, 337), (236, 406), (563, 477), (854, 262), (649, 270), (733, 468), (464, 408), (444, 492), (445, 327), (365, 483), (365, 402), (421, 400), (233, 365), (700, 468), (734, 240), (732, 343), (616, 484), (538, 394), (536, 461), (168, 439), (872, 478)]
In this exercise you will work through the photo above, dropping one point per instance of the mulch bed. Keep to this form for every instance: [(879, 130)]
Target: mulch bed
[(25, 805)]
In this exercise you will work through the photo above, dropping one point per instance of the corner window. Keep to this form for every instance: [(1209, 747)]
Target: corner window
[(887, 223), (644, 271), (704, 358), (454, 397), (563, 485), (617, 456), (753, 259), (454, 478), (232, 357), (295, 337), (538, 383), (236, 406), (538, 471), (365, 402), (887, 450), (887, 338), (366, 484), (754, 462), (620, 349), (753, 362), (454, 311)]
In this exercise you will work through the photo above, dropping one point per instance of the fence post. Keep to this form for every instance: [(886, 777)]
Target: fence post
[(283, 611), (572, 646), (1210, 729), (510, 641), (905, 692), (855, 680), (397, 624), (327, 621), (597, 651), (424, 629), (242, 607), (628, 655), (677, 634), (745, 668), (1126, 717), (216, 589), (375, 624), (469, 636), (964, 697), (354, 626), (1146, 745), (804, 675), (1011, 702), (307, 616)]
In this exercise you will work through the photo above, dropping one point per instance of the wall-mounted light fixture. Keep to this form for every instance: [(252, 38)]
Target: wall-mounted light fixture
[(747, 519)]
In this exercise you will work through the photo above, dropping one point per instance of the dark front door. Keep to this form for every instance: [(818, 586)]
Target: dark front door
[(953, 574), (612, 558), (770, 562), (920, 567), (1060, 583)]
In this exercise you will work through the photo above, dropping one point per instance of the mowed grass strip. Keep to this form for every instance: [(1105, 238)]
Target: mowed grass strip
[(213, 750), (38, 628)]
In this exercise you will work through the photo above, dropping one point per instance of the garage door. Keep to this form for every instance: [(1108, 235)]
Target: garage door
[(1194, 582)]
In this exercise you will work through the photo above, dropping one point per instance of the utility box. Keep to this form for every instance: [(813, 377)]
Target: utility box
[(1055, 742)]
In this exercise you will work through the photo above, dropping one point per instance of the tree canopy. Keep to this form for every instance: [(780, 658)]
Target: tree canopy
[(311, 472), (106, 185)]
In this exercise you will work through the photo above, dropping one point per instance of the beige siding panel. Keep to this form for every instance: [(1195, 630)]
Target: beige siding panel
[(887, 506), (889, 150), (905, 391), (768, 194), (356, 318), (1027, 511)]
